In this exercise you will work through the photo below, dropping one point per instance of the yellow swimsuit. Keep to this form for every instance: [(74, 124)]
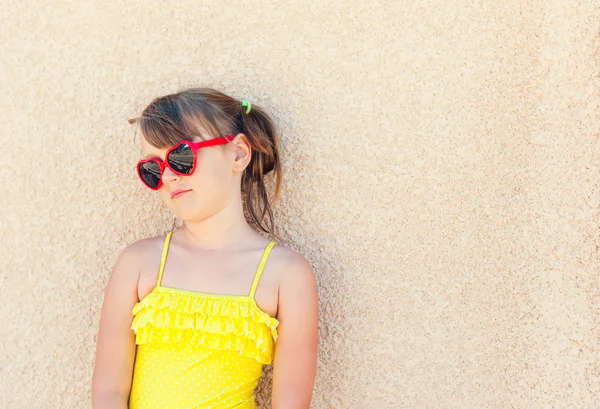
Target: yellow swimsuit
[(199, 350)]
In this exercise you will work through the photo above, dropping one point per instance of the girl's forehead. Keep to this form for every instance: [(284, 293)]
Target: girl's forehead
[(149, 150)]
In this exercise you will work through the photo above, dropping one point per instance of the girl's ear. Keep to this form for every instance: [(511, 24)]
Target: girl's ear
[(242, 152)]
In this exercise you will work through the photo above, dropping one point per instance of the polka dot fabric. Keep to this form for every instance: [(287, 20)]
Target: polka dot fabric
[(199, 350)]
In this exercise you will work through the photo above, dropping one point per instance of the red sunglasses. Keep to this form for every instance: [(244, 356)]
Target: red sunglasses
[(181, 159)]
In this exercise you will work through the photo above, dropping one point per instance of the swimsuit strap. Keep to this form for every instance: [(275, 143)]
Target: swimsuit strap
[(261, 266), (164, 258)]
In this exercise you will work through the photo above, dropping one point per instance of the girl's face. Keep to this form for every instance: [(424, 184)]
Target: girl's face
[(210, 187)]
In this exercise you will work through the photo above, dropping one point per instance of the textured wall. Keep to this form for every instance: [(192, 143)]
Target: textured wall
[(442, 177)]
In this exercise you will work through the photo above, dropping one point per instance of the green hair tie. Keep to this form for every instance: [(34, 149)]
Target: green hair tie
[(247, 104)]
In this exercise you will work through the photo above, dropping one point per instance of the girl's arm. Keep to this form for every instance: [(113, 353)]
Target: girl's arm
[(115, 349), (295, 361)]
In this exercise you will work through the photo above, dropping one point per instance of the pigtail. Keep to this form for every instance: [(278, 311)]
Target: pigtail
[(262, 135)]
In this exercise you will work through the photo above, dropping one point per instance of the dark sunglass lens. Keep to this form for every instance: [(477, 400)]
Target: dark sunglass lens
[(181, 159), (150, 173)]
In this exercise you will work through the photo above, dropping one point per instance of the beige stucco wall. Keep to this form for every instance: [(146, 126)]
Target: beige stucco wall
[(442, 177)]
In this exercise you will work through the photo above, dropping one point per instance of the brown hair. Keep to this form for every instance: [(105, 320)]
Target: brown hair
[(172, 118)]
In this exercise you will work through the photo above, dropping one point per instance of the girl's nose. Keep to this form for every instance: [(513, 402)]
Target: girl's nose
[(168, 175)]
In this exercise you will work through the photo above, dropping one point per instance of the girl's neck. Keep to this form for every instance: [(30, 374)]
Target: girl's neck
[(217, 232)]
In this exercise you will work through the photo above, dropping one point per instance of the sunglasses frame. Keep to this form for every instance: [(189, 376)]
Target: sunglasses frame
[(221, 140)]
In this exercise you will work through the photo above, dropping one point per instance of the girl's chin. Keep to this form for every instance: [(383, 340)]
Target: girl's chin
[(188, 209)]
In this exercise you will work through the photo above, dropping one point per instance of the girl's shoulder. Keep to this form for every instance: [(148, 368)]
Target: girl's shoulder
[(147, 249), (284, 254), (297, 292), (148, 244), (291, 266), (128, 268)]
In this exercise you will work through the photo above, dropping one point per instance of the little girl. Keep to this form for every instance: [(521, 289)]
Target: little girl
[(190, 318)]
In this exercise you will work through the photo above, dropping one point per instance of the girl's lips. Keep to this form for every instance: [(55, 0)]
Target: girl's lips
[(178, 193)]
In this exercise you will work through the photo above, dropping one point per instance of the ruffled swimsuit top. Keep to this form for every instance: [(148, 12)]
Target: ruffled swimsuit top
[(199, 350)]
